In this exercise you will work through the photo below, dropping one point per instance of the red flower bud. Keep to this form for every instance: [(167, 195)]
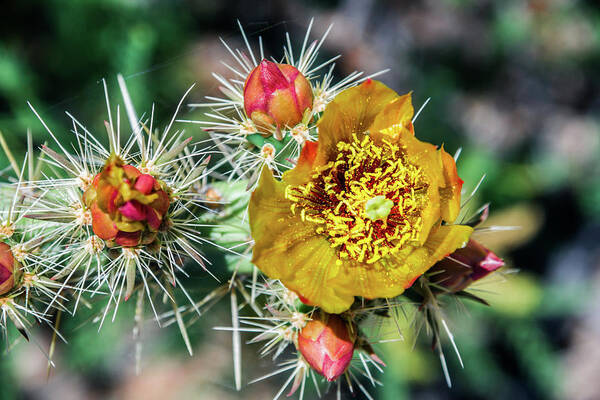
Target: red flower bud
[(327, 344), (276, 95), (465, 266), (127, 206), (8, 268)]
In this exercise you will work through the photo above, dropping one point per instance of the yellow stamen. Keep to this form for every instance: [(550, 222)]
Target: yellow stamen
[(368, 201)]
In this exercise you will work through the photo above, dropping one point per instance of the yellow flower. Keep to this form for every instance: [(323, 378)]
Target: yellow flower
[(362, 212)]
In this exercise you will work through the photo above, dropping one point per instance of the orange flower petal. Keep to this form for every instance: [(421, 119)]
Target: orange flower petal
[(107, 197), (306, 162), (102, 225)]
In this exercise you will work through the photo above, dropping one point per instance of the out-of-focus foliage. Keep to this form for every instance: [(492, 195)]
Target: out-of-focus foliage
[(515, 83)]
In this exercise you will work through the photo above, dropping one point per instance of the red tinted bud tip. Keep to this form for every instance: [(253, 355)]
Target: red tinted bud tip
[(465, 266), (327, 344), (276, 95)]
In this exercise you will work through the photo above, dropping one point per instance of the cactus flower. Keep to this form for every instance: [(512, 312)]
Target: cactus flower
[(276, 95), (327, 344), (8, 264), (127, 206), (361, 213), (465, 266)]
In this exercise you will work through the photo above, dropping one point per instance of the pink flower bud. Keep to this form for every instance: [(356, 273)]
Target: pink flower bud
[(8, 264), (465, 266), (276, 95), (327, 344)]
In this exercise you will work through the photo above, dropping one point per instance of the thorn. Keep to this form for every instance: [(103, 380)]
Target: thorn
[(378, 360)]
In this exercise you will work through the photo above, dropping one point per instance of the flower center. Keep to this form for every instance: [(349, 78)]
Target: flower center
[(368, 201), (378, 207)]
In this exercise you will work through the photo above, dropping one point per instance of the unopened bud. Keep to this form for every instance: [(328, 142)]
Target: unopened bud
[(465, 266), (327, 344), (276, 95), (8, 268), (126, 205)]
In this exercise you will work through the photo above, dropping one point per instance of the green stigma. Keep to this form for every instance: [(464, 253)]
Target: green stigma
[(378, 208)]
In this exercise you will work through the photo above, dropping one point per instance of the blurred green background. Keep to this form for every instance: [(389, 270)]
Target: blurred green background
[(515, 83)]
